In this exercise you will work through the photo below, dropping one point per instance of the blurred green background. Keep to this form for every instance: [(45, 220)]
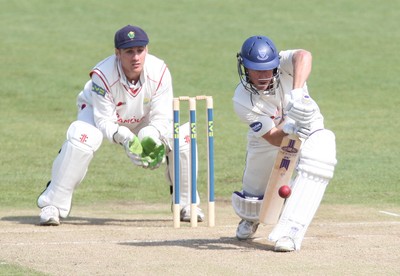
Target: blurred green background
[(48, 47)]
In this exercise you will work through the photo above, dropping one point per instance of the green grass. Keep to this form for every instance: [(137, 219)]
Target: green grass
[(48, 47), (16, 270)]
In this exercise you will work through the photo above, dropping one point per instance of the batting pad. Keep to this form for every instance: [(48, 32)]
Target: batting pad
[(70, 166), (247, 208), (315, 169), (184, 166)]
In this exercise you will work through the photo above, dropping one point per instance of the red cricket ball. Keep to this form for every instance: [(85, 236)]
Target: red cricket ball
[(285, 191)]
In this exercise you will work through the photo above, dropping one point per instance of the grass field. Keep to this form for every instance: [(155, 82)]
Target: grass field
[(48, 47)]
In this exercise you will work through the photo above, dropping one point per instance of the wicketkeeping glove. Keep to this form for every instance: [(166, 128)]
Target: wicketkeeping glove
[(153, 153), (134, 150)]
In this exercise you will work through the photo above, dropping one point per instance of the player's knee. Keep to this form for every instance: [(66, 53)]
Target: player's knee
[(84, 136), (318, 154)]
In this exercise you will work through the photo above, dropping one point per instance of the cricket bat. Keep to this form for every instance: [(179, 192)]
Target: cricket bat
[(282, 172)]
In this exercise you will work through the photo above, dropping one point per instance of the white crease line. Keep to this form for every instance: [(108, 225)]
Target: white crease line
[(360, 223), (389, 213), (81, 242)]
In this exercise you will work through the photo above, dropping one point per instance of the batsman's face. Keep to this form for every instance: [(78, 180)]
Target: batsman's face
[(261, 79), (132, 61)]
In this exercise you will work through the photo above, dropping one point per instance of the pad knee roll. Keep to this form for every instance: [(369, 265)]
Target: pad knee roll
[(318, 155), (84, 136)]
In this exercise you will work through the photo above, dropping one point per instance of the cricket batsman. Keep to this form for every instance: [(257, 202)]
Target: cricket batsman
[(269, 100), (128, 101)]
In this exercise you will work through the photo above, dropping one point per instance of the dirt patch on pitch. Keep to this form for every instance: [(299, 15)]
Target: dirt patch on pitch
[(137, 239)]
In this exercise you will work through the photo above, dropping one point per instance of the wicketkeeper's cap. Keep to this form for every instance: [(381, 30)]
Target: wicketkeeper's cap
[(130, 36)]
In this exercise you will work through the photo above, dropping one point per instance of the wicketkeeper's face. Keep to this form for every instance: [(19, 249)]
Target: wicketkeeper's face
[(132, 61), (261, 79)]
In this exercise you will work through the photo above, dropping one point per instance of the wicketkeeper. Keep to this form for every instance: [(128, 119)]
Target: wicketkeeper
[(269, 100), (128, 101)]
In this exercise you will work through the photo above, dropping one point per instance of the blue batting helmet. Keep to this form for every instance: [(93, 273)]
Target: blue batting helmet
[(258, 53)]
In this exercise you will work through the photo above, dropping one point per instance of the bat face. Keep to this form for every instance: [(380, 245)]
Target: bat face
[(290, 148), (281, 174)]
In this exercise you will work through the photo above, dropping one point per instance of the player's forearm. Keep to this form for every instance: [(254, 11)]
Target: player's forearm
[(108, 128), (302, 64), (274, 136)]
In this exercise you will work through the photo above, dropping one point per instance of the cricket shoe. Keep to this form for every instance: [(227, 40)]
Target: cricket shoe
[(285, 244), (185, 214), (246, 229), (50, 216)]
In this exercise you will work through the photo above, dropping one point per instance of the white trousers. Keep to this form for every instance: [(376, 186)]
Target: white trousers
[(260, 160)]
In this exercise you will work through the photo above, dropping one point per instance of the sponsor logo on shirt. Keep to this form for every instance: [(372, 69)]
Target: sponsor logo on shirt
[(146, 101), (256, 126), (98, 90), (133, 120)]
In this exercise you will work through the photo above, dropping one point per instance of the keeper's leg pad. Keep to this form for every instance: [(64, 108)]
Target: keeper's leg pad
[(70, 166), (184, 165), (245, 207), (315, 168)]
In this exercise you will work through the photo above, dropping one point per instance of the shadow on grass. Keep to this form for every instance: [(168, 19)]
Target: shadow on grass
[(223, 243)]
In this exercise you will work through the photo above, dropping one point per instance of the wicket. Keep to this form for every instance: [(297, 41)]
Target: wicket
[(193, 159)]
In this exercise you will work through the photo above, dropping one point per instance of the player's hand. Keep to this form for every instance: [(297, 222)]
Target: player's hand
[(134, 150), (303, 111), (153, 153), (122, 135), (299, 131)]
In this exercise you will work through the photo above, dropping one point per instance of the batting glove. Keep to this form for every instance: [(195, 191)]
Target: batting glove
[(299, 131), (303, 111)]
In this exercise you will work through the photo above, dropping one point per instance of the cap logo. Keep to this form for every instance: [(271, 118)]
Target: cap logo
[(262, 54), (131, 35)]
